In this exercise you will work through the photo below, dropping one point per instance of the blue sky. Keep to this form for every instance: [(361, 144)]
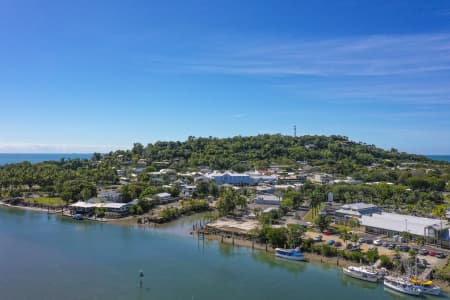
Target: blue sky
[(81, 76)]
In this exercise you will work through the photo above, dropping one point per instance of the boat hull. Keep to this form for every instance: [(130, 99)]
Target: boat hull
[(359, 276), (295, 258), (412, 292), (431, 291)]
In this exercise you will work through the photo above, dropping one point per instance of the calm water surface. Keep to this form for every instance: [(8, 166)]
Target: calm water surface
[(10, 158), (49, 257)]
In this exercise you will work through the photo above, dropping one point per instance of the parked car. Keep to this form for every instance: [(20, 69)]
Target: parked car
[(385, 244), (369, 241), (349, 246), (432, 253), (317, 238), (338, 244), (361, 240), (331, 242), (440, 255), (404, 248), (378, 242), (396, 257), (356, 248), (328, 232), (391, 246), (423, 251)]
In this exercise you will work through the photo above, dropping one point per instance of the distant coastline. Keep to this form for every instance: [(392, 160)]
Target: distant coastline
[(10, 158), (443, 157)]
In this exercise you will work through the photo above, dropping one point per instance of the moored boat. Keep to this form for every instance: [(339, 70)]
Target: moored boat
[(290, 254), (426, 286), (403, 286), (362, 273)]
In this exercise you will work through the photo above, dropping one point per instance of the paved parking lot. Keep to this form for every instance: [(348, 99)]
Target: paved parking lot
[(433, 261)]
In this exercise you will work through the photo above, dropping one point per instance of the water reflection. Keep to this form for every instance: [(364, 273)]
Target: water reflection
[(348, 281), (275, 262)]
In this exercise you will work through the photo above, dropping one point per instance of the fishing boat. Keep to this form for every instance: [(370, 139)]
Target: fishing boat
[(362, 273), (401, 285), (426, 286), (291, 254)]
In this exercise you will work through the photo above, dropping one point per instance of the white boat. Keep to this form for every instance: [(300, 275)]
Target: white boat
[(426, 286), (363, 273), (291, 254), (401, 285)]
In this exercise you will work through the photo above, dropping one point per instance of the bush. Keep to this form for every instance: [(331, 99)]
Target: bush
[(386, 262)]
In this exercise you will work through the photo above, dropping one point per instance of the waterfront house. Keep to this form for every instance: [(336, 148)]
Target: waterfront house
[(163, 198)]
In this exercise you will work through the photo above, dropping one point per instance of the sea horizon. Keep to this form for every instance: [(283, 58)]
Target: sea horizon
[(11, 158)]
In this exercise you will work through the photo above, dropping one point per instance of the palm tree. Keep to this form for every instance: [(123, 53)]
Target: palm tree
[(440, 212)]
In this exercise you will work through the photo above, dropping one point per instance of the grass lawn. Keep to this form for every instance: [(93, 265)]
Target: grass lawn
[(44, 201), (309, 215)]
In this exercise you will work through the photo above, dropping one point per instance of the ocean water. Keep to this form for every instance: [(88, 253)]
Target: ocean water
[(10, 158), (440, 157), (50, 257)]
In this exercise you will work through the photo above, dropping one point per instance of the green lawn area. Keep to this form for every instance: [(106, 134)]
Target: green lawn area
[(44, 201), (309, 215)]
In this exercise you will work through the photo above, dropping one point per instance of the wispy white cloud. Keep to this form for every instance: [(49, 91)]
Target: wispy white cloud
[(55, 148), (356, 56)]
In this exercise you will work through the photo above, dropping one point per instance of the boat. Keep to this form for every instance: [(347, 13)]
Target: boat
[(362, 273), (426, 286), (401, 285), (78, 217), (290, 254)]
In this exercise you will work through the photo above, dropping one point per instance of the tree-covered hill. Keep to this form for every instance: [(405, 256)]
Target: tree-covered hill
[(337, 152), (77, 178)]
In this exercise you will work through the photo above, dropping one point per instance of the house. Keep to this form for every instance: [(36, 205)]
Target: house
[(188, 190), (268, 200), (265, 189), (142, 162), (322, 178), (256, 178), (109, 196), (86, 208), (392, 224), (163, 198), (82, 207), (355, 211)]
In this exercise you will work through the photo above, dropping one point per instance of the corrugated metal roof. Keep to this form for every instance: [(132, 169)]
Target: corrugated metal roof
[(400, 223)]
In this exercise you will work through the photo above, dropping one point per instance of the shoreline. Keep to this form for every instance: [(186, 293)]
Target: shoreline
[(333, 262), (311, 257)]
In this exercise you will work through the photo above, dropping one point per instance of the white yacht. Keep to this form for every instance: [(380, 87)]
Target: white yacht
[(401, 285), (363, 273)]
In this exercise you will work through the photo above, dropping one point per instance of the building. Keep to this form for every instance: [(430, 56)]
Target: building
[(188, 190), (241, 178), (111, 208), (163, 198), (230, 178), (268, 200), (321, 178), (355, 211), (391, 224), (109, 196)]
